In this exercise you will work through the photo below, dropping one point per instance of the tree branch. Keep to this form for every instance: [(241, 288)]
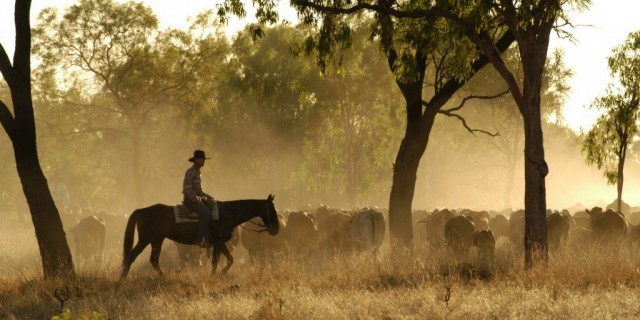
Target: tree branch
[(7, 120), (466, 126), (467, 98), (451, 112), (5, 66)]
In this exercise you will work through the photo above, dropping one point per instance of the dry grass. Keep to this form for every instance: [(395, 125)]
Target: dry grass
[(599, 284)]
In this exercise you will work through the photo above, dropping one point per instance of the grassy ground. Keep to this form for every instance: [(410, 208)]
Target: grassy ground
[(598, 284)]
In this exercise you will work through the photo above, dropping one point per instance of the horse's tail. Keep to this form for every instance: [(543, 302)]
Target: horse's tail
[(128, 234)]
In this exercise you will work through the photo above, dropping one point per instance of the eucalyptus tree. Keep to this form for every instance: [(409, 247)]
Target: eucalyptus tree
[(109, 61), (349, 153), (262, 113), (501, 115), (530, 24), (21, 128), (606, 143), (419, 53), (295, 130)]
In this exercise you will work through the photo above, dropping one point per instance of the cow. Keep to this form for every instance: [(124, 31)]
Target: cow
[(434, 226), (333, 227), (625, 209), (261, 246), (301, 232), (580, 238), (558, 226), (608, 227), (634, 218), (88, 238), (499, 225), (480, 219), (582, 219), (516, 229), (458, 234), (367, 229), (485, 241)]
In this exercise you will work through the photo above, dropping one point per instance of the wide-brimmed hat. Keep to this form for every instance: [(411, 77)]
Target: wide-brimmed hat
[(198, 154)]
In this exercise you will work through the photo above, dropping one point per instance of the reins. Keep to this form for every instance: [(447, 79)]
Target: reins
[(264, 228)]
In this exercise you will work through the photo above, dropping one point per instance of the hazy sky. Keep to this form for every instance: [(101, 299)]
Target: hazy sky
[(605, 25)]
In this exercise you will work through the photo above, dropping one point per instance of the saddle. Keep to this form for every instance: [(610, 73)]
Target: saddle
[(184, 214)]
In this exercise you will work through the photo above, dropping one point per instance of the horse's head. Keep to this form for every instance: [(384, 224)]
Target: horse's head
[(270, 217)]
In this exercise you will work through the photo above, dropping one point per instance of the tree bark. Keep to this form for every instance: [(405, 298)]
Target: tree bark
[(21, 129), (535, 171), (415, 141), (137, 174), (536, 168), (621, 158), (405, 168)]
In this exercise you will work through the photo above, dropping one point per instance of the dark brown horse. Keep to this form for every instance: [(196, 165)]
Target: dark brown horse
[(157, 222)]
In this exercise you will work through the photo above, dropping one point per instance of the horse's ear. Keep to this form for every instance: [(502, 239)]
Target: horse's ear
[(270, 197)]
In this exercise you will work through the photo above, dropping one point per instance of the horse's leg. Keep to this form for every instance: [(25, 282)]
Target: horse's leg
[(227, 254), (156, 247), (215, 257), (142, 243)]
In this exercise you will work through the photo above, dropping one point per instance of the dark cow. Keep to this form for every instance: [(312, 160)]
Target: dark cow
[(608, 227), (557, 230), (485, 241), (88, 238), (458, 234)]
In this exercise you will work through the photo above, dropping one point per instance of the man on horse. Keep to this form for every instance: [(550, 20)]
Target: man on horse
[(198, 201)]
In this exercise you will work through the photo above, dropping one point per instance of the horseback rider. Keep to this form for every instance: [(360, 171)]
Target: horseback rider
[(198, 201)]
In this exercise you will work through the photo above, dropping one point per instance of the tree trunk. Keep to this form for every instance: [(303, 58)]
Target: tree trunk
[(621, 159), (21, 129), (536, 168), (412, 148), (405, 170), (52, 242), (416, 138), (137, 175)]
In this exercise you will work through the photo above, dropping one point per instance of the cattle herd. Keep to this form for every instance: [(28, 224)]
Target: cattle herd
[(469, 236)]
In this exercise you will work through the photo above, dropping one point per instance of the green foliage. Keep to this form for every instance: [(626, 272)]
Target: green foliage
[(322, 126), (605, 144), (109, 78)]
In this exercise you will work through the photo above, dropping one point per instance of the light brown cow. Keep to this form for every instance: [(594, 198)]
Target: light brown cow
[(260, 246), (367, 229), (516, 230), (434, 226), (301, 233), (499, 225)]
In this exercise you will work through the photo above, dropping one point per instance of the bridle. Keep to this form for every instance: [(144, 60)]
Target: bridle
[(264, 227)]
